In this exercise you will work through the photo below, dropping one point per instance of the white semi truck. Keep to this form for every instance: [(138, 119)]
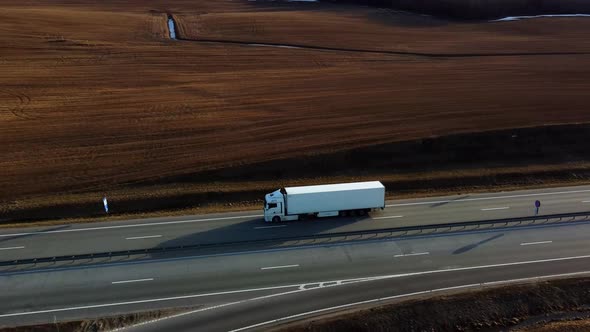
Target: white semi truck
[(330, 200)]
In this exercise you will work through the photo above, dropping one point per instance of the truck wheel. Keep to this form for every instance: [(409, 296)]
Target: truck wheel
[(361, 212), (276, 219)]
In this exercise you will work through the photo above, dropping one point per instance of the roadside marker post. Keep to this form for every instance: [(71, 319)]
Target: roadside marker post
[(106, 204), (537, 206)]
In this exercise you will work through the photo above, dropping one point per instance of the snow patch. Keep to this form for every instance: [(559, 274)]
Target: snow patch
[(171, 28), (516, 18)]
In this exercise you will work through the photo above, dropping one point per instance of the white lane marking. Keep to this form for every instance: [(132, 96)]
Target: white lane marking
[(12, 248), (388, 217), (496, 208), (116, 304), (585, 201), (534, 243), (381, 299), (302, 287), (130, 281), (410, 274), (279, 267), (413, 254), (265, 227), (129, 226), (491, 198), (143, 237), (249, 252)]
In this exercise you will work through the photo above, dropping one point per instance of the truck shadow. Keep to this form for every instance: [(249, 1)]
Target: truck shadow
[(456, 199), (475, 245), (254, 234), (31, 234)]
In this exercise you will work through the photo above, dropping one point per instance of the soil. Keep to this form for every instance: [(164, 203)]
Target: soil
[(578, 325), (506, 308), (96, 100)]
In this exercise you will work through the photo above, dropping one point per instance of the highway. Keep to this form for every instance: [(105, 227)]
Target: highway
[(236, 290), (415, 264), (248, 225)]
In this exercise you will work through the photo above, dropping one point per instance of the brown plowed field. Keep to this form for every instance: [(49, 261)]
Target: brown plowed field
[(93, 95)]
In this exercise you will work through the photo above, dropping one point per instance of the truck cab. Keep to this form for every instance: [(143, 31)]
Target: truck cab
[(274, 205)]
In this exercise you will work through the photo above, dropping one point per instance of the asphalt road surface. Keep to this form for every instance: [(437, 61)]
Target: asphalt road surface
[(246, 290), (248, 225)]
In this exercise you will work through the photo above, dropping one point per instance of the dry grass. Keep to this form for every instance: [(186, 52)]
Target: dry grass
[(243, 196), (565, 326), (93, 95)]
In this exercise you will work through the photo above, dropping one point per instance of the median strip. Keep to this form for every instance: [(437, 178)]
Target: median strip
[(343, 237)]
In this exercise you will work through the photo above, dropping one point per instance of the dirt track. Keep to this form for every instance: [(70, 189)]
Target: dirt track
[(95, 96)]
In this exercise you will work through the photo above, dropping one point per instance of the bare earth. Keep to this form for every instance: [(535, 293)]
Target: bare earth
[(95, 98), (567, 326)]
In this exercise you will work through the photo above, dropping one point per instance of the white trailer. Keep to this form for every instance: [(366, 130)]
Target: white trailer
[(330, 200)]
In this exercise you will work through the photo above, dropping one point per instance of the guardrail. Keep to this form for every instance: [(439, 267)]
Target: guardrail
[(447, 227)]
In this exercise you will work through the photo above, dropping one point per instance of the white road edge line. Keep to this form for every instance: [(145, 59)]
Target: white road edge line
[(413, 254), (279, 267), (12, 248), (483, 284), (118, 304), (264, 227), (182, 297), (129, 226), (388, 217), (534, 243), (491, 198), (143, 237), (585, 201), (496, 208), (130, 281)]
